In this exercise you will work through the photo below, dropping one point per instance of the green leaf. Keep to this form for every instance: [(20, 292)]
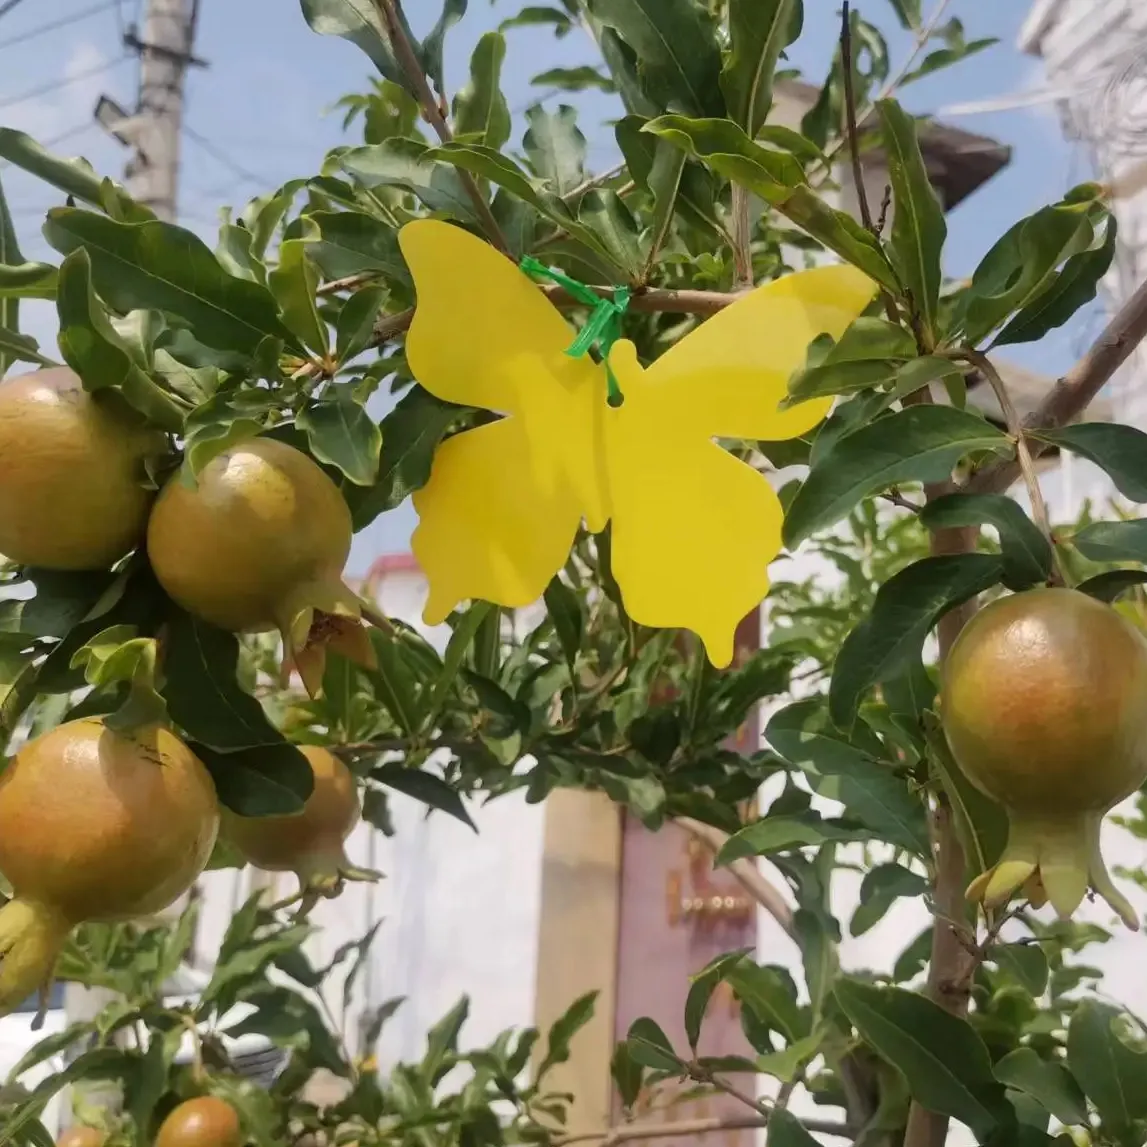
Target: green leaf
[(293, 282), (1025, 963), (137, 266), (841, 770), (665, 184), (564, 609), (945, 57), (95, 351), (604, 212), (28, 281), (908, 12), (701, 988), (1112, 585), (831, 378), (943, 1060), (628, 1075), (411, 165), (342, 434), (425, 787), (15, 347), (1025, 550), (1022, 266), (410, 435), (462, 638), (75, 177), (434, 45), (759, 30), (1048, 1083), (10, 256), (100, 1063), (786, 1130), (354, 243), (480, 109), (881, 887), (784, 833), (288, 1020), (354, 330), (768, 994), (359, 22), (578, 79), (724, 147), (261, 780), (395, 684), (918, 225), (1109, 1070), (649, 1046), (840, 232), (907, 607), (537, 16), (233, 250), (564, 1028), (555, 147), (920, 372), (919, 444), (1120, 451), (675, 42), (1071, 288), (1113, 541), (117, 656), (216, 425), (202, 692)]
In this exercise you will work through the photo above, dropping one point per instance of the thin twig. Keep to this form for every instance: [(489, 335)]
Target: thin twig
[(745, 871), (1072, 393), (407, 58), (349, 283), (923, 35), (1023, 453), (687, 1127), (654, 300), (741, 231), (850, 115)]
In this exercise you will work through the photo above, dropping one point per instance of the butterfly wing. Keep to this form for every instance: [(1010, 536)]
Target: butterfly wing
[(500, 511), (726, 378), (694, 529)]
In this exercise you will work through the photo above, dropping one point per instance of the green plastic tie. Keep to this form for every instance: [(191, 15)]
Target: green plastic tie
[(602, 329)]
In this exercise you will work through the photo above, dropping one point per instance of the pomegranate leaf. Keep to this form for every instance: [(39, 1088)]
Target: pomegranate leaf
[(425, 787), (907, 606), (921, 443), (1121, 451), (942, 1058)]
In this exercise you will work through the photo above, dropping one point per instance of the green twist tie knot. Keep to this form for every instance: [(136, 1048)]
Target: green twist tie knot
[(602, 329)]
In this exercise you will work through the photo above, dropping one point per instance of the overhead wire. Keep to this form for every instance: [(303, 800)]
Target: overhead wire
[(56, 85), (7, 7), (63, 22), (222, 157)]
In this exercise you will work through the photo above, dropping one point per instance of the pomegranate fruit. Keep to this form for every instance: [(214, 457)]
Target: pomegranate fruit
[(1044, 706), (259, 544), (71, 473), (309, 843), (94, 825), (82, 1137), (203, 1122)]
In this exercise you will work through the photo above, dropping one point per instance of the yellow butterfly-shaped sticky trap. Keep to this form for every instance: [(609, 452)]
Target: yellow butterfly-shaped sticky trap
[(694, 528)]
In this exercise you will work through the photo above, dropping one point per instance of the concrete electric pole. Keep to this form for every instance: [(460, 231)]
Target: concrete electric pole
[(153, 130)]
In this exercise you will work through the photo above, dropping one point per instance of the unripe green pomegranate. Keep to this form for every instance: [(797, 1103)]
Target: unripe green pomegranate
[(1044, 706)]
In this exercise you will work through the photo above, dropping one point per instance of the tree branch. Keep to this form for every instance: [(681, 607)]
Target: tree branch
[(745, 871), (1072, 393), (412, 69), (688, 1127), (850, 115), (742, 238), (653, 300)]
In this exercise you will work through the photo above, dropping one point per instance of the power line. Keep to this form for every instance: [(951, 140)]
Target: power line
[(63, 22), (6, 8), (222, 157), (56, 85)]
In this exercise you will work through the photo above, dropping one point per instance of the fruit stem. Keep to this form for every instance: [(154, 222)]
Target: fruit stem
[(31, 936), (1023, 454)]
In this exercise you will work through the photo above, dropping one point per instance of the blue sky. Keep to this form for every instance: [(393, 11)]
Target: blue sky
[(262, 100)]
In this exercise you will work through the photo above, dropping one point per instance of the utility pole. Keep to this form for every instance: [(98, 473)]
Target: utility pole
[(153, 130)]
